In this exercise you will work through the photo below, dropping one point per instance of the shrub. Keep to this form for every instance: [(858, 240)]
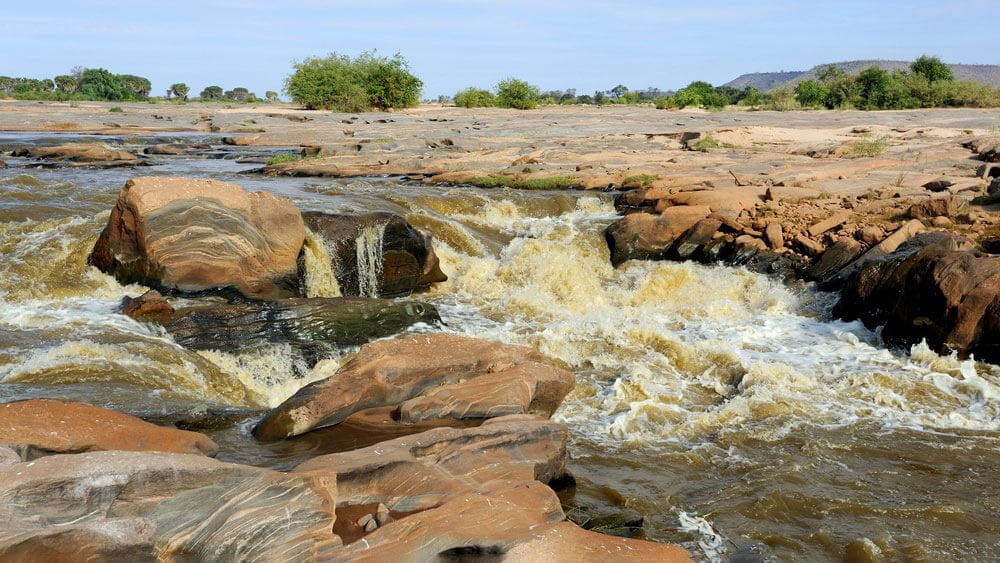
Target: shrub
[(345, 84), (782, 99), (869, 146), (179, 90), (116, 109), (706, 143), (811, 93), (475, 98), (211, 93), (931, 68), (752, 97), (271, 96), (644, 179), (283, 157), (99, 84), (517, 94)]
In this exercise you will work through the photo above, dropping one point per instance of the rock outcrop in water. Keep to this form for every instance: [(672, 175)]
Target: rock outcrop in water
[(47, 427), (933, 287), (376, 254), (88, 154), (427, 376), (196, 235)]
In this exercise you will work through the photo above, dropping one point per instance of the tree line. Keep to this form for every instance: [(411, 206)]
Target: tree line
[(98, 84)]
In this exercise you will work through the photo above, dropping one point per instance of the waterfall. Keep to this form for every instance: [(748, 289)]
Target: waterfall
[(320, 280), (368, 249)]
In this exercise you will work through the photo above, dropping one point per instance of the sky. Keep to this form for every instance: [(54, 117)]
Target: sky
[(451, 44)]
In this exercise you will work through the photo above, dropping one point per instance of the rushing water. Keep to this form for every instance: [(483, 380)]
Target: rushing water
[(725, 406)]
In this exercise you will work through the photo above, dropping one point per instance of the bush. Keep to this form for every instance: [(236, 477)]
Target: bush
[(782, 99), (517, 94), (179, 90), (271, 96), (931, 68), (99, 84), (475, 98), (344, 84), (116, 109), (811, 93)]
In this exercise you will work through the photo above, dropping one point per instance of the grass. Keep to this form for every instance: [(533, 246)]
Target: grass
[(987, 199), (116, 109), (869, 146), (644, 179), (283, 157), (706, 143), (502, 181)]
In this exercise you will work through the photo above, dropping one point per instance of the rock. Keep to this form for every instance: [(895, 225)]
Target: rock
[(367, 523), (939, 185), (567, 543), (79, 152), (47, 427), (947, 206), (395, 371), (829, 223), (195, 235), (987, 171), (647, 236), (311, 325), (146, 506), (790, 194), (149, 304), (988, 148), (941, 222), (870, 235), (775, 236), (994, 187), (168, 150), (376, 254), (718, 200), (888, 245), (749, 242), (382, 515), (808, 245), (696, 237), (833, 260), (932, 287)]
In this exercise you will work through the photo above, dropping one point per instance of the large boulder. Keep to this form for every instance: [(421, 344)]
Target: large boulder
[(194, 235), (932, 287), (948, 206), (79, 152), (46, 427), (429, 376), (644, 236), (377, 254), (146, 506)]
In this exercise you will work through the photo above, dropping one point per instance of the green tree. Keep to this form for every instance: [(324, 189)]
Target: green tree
[(517, 94), (345, 84), (46, 85), (618, 92), (829, 73), (752, 97), (874, 84), (179, 90), (211, 93), (66, 83), (932, 69), (473, 97), (6, 84), (271, 96), (136, 86), (811, 93), (239, 94), (99, 84)]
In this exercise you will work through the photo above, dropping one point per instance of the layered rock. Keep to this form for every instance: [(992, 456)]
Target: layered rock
[(47, 427), (143, 506), (429, 376), (197, 235), (932, 287), (79, 152), (307, 324), (377, 254)]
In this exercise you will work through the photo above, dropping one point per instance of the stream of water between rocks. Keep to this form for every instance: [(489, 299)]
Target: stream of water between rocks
[(701, 391)]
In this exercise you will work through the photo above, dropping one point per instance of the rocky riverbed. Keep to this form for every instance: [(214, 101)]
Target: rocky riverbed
[(372, 348)]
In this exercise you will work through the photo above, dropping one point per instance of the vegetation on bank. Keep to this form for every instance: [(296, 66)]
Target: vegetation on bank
[(338, 82), (504, 181)]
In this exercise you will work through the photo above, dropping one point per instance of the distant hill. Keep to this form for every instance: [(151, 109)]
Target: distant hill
[(765, 81)]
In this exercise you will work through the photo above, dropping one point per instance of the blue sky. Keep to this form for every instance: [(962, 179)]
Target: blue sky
[(451, 44)]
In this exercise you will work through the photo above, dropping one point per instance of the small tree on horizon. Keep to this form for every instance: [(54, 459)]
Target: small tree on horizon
[(66, 83), (932, 69), (211, 93), (271, 96), (179, 90), (517, 94)]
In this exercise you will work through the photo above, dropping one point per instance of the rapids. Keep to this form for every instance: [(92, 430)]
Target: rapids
[(726, 407)]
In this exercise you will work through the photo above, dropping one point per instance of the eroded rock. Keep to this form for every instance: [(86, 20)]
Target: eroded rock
[(395, 371), (195, 235), (78, 152), (647, 236)]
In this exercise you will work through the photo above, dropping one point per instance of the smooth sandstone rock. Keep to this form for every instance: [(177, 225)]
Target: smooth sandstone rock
[(46, 427), (144, 506), (948, 206), (195, 235), (648, 236), (78, 152), (568, 543), (394, 371)]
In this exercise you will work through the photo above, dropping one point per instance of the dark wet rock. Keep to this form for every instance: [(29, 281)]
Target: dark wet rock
[(47, 427), (311, 325), (988, 171), (697, 237), (149, 304), (939, 185), (932, 287), (429, 376), (378, 254), (645, 236), (195, 235), (144, 506), (842, 253)]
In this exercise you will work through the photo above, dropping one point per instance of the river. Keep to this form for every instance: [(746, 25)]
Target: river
[(726, 407)]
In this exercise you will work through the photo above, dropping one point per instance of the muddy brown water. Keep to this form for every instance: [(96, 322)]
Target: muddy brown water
[(726, 407)]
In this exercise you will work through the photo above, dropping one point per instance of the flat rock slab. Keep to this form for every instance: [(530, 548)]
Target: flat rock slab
[(395, 371), (46, 427), (194, 235)]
